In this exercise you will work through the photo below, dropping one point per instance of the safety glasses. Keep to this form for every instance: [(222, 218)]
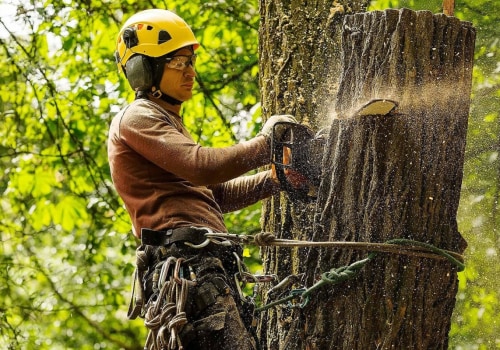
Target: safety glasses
[(181, 62)]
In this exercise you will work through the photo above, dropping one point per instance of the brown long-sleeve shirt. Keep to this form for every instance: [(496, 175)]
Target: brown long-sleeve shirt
[(166, 180)]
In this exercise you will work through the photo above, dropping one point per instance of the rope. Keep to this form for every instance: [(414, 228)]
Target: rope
[(395, 246), (165, 314), (341, 274), (334, 276)]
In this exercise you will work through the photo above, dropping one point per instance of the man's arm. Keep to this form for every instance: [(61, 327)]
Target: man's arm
[(161, 143), (244, 191)]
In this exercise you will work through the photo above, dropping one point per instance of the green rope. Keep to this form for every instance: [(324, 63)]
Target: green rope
[(295, 293), (409, 242), (344, 273), (334, 276), (338, 275)]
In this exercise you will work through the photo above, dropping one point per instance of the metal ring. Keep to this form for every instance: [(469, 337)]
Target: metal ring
[(198, 246)]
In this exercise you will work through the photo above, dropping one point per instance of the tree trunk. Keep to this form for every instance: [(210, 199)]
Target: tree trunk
[(394, 177), (386, 177), (299, 67)]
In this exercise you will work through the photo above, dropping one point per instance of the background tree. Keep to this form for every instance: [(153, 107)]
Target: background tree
[(66, 251)]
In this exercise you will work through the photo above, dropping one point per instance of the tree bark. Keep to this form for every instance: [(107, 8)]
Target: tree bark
[(299, 60), (387, 177), (391, 177)]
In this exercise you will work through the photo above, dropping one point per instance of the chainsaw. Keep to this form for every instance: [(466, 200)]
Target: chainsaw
[(300, 150)]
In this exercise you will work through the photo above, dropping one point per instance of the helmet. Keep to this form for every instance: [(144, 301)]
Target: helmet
[(152, 33), (148, 35)]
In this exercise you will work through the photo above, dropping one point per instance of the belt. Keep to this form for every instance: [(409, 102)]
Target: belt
[(194, 235)]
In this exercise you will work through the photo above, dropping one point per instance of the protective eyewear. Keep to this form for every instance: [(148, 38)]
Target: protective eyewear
[(181, 62)]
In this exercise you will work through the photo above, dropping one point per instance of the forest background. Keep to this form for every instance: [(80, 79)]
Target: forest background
[(66, 252)]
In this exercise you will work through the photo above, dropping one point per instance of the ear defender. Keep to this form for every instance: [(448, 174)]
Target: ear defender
[(139, 73)]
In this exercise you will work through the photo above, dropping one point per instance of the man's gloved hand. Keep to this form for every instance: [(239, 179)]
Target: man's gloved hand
[(267, 129)]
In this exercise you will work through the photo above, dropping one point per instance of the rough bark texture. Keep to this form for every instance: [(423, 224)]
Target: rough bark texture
[(384, 177), (394, 177), (299, 67)]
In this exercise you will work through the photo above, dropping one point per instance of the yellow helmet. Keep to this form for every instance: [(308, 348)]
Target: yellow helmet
[(152, 33)]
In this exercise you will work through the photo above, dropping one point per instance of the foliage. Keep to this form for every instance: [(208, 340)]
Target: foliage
[(66, 251), (476, 322)]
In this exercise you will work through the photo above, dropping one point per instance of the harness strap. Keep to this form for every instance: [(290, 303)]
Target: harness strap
[(143, 258), (194, 235), (137, 298)]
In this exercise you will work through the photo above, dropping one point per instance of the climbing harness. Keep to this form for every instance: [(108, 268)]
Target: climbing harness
[(177, 277)]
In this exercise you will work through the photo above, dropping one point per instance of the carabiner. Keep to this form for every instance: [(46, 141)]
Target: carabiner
[(299, 293), (178, 263), (164, 271), (238, 261), (198, 246)]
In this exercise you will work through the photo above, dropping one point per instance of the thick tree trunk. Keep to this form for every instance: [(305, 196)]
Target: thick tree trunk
[(299, 67), (394, 177), (385, 177)]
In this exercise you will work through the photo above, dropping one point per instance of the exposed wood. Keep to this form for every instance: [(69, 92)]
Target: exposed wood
[(448, 7)]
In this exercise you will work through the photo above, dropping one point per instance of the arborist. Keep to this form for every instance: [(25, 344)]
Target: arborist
[(176, 191)]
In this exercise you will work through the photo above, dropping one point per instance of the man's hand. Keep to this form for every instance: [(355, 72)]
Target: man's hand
[(268, 127)]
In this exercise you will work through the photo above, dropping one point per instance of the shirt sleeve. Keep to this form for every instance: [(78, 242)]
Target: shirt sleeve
[(244, 191), (154, 136)]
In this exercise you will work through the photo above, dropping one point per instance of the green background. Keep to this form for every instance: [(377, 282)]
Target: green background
[(66, 252)]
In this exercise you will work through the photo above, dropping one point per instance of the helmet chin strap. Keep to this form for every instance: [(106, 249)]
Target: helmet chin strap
[(169, 99)]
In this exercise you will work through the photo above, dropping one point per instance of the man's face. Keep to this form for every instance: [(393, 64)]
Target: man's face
[(178, 83)]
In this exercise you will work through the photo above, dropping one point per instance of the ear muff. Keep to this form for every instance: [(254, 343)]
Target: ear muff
[(139, 73)]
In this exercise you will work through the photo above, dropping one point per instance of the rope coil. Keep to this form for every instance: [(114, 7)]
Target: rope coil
[(165, 315)]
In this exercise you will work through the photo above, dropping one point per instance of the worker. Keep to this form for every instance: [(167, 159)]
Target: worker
[(176, 192)]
